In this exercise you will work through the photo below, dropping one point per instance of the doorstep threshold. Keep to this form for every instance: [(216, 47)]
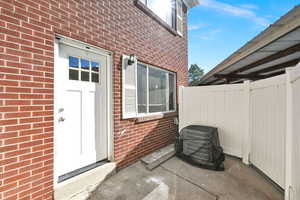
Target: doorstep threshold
[(81, 186), (80, 171)]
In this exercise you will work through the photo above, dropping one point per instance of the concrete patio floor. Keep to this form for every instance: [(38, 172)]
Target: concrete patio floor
[(177, 180)]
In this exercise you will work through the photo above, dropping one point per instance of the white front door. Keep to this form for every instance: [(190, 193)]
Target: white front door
[(80, 107)]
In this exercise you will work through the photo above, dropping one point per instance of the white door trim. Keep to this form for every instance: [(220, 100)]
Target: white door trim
[(109, 96)]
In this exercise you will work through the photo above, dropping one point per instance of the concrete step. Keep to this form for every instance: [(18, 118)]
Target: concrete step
[(80, 187), (156, 158)]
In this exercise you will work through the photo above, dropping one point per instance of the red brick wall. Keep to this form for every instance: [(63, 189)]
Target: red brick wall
[(27, 29)]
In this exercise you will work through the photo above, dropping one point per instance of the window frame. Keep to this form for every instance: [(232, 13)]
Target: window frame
[(167, 92), (174, 15)]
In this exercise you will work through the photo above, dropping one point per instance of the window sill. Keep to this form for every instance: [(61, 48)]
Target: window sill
[(150, 13), (155, 117)]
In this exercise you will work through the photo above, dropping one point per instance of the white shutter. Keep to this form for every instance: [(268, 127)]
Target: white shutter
[(179, 17), (129, 90)]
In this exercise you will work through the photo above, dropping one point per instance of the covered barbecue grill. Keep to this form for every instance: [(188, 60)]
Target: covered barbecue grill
[(200, 145)]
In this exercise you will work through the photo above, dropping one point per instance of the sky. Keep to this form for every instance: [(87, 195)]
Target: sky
[(217, 28)]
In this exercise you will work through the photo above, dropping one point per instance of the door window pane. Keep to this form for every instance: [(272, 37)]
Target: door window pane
[(171, 92), (142, 88), (73, 61), (85, 64), (85, 76), (95, 77), (73, 74), (157, 90), (95, 66)]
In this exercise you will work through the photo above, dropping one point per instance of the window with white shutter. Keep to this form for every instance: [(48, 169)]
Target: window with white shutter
[(147, 90), (129, 95)]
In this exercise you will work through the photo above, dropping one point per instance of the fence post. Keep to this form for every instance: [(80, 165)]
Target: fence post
[(247, 135), (289, 135), (180, 110)]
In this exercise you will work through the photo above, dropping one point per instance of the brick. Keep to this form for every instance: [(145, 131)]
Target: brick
[(31, 84), (9, 32), (10, 173), (30, 132), (9, 57), (31, 61), (31, 108), (8, 148), (44, 113), (32, 155), (17, 190), (9, 45), (7, 161), (19, 29), (17, 77), (16, 178), (8, 135), (17, 115), (8, 83), (8, 96), (8, 122), (32, 38), (7, 186), (31, 144), (33, 50), (17, 153), (19, 65), (14, 15), (16, 165), (18, 53), (31, 167), (6, 5), (9, 19), (32, 72), (18, 89), (17, 102), (17, 127), (31, 96), (16, 140), (42, 102), (32, 27)]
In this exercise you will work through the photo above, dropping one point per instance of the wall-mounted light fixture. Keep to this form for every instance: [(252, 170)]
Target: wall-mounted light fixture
[(132, 59)]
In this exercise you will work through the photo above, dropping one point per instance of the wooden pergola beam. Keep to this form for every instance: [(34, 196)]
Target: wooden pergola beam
[(239, 76), (256, 74)]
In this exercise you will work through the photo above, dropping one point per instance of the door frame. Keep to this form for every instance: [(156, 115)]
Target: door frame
[(109, 96)]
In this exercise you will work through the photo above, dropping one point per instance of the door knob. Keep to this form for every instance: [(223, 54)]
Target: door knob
[(61, 119)]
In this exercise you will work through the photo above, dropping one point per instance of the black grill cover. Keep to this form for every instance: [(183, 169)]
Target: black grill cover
[(200, 145)]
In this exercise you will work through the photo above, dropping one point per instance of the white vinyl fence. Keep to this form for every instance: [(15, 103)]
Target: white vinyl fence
[(220, 106), (257, 121), (293, 135), (268, 126)]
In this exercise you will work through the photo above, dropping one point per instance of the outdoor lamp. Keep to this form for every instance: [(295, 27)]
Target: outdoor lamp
[(131, 59)]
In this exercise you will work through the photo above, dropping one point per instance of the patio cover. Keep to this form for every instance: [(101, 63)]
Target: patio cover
[(266, 55)]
